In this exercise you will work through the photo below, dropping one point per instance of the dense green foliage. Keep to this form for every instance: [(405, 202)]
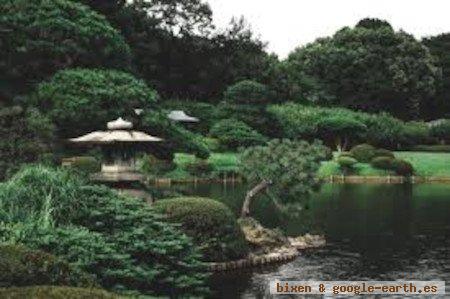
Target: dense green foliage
[(103, 234), (53, 292), (210, 223), (439, 46), (383, 162), (382, 130), (20, 266), (402, 167), (82, 100), (338, 131), (247, 92), (346, 163), (40, 37), (25, 137), (371, 68), (290, 165), (363, 152), (441, 130), (233, 134), (199, 168), (85, 165)]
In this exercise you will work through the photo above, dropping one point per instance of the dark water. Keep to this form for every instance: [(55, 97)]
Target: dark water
[(374, 232)]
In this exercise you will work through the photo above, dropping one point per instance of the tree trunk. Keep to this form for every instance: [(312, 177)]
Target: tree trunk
[(251, 194)]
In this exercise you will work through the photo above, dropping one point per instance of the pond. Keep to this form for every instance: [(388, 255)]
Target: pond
[(374, 232)]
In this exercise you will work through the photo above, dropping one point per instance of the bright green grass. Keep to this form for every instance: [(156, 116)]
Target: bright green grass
[(425, 164)]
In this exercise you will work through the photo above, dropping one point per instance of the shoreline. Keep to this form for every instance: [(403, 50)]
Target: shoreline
[(333, 179)]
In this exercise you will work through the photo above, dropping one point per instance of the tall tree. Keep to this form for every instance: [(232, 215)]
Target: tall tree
[(40, 37), (369, 67), (440, 47)]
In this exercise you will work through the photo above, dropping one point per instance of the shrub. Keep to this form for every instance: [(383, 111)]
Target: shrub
[(20, 266), (403, 167), (247, 92), (340, 130), (382, 162), (415, 133), (121, 240), (82, 100), (233, 134), (85, 165), (346, 161), (199, 167), (53, 292), (381, 152), (210, 223), (25, 137), (153, 166), (438, 148), (363, 152), (346, 154), (441, 130)]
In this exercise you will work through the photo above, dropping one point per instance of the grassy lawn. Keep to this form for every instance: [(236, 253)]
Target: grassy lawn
[(425, 164)]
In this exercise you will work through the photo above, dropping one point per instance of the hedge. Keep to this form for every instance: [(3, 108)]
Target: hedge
[(211, 224)]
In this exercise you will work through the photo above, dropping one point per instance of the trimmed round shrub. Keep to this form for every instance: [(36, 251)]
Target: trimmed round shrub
[(53, 292), (339, 130), (233, 134), (247, 92), (40, 37), (210, 223), (381, 152), (20, 266), (121, 240), (346, 161), (402, 167), (382, 162), (82, 100), (363, 152)]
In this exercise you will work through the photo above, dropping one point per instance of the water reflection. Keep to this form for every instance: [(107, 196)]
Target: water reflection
[(376, 232)]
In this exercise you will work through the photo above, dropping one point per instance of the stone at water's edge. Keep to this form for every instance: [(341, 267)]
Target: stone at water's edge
[(268, 246)]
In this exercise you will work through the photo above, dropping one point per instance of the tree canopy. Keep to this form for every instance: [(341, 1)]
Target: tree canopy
[(40, 37), (369, 67)]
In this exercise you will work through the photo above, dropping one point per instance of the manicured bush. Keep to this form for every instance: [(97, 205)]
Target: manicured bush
[(210, 223), (402, 167), (53, 292), (233, 134), (382, 162), (346, 163), (199, 167), (381, 152), (82, 100), (247, 92), (441, 131), (363, 152), (20, 266), (340, 131), (121, 240)]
